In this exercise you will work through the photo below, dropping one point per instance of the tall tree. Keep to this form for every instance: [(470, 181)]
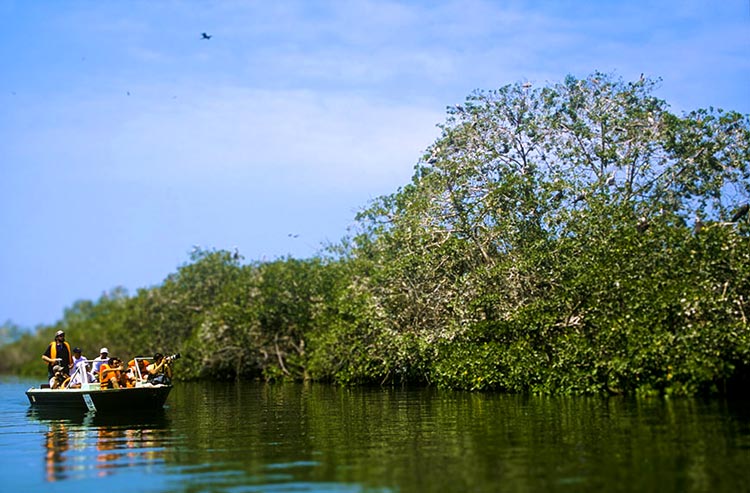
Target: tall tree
[(523, 208)]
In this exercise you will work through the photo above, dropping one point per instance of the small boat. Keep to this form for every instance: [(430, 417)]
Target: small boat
[(89, 396)]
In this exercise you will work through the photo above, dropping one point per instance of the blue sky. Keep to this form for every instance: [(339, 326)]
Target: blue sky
[(125, 139)]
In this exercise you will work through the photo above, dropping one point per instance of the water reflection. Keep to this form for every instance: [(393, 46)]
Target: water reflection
[(285, 436), (81, 445), (56, 444), (251, 437)]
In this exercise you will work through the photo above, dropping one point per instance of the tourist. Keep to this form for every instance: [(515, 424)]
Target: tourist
[(80, 373), (58, 354), (141, 372), (59, 377), (159, 371), (99, 361), (112, 374)]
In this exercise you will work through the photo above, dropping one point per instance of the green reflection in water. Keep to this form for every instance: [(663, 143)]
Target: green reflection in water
[(288, 437)]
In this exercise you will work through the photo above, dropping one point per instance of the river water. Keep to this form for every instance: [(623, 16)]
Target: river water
[(253, 437)]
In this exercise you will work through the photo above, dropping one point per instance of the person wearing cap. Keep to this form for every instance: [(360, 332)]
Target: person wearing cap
[(59, 376), (77, 357), (58, 353), (99, 360)]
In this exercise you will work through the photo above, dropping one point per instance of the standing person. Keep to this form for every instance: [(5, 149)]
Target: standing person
[(58, 353), (99, 360)]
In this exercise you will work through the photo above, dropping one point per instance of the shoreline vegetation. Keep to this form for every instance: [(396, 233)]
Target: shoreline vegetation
[(577, 238)]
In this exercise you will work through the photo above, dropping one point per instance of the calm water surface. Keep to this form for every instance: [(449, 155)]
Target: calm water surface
[(248, 437)]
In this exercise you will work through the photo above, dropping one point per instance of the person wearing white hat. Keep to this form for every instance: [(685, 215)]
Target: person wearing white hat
[(58, 353), (99, 360)]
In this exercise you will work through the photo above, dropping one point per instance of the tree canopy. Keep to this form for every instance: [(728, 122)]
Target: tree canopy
[(572, 238)]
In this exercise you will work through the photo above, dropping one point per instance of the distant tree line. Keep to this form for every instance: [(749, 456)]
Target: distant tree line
[(577, 238)]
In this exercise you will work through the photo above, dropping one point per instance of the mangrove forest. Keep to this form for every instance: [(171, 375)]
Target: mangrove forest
[(573, 238)]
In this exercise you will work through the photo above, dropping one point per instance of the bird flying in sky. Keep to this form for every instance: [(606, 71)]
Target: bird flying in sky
[(205, 36)]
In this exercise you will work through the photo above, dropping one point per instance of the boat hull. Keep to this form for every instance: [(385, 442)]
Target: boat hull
[(145, 398)]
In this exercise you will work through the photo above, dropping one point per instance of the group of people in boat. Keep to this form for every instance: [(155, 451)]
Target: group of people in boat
[(70, 369)]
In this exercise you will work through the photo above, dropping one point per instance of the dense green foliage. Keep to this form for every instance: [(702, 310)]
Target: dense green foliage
[(577, 238)]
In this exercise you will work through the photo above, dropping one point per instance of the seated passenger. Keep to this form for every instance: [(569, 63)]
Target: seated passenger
[(159, 372), (99, 361), (80, 376), (77, 357), (134, 373), (80, 373), (59, 377), (111, 374)]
